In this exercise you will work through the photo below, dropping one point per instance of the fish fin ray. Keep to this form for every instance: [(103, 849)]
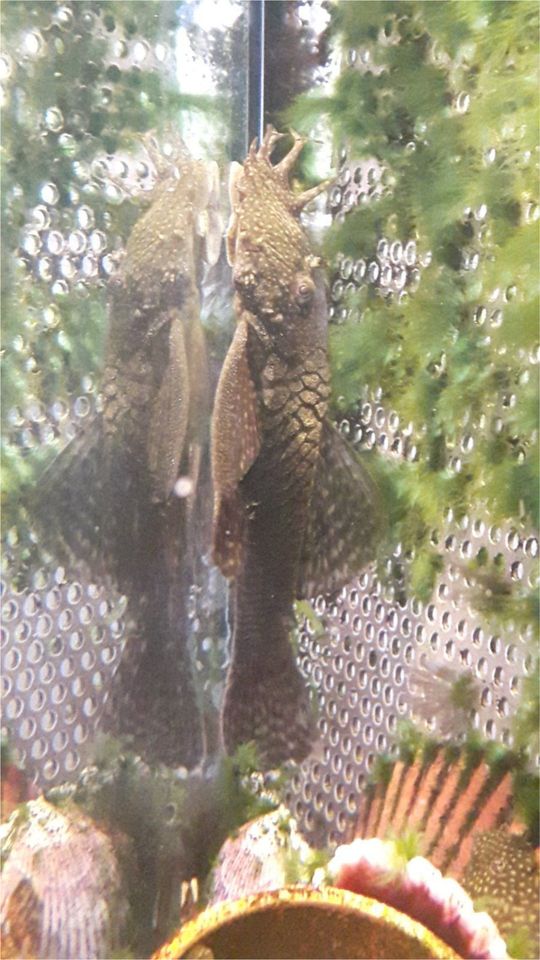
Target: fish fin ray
[(235, 447), (169, 416), (345, 518), (71, 523), (227, 535)]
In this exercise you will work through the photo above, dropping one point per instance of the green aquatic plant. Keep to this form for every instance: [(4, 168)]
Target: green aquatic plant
[(301, 868), (442, 96), (527, 720)]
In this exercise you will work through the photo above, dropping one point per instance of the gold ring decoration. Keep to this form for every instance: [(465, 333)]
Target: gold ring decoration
[(304, 922)]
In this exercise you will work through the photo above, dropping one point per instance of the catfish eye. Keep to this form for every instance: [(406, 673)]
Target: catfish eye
[(304, 289)]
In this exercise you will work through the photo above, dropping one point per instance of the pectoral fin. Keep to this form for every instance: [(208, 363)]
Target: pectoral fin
[(235, 446), (169, 415), (345, 519)]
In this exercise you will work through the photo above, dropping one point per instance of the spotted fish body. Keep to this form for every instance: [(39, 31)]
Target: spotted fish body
[(155, 417), (155, 381), (112, 492), (271, 446)]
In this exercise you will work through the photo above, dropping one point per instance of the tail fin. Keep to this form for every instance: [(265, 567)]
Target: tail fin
[(267, 702), (152, 701)]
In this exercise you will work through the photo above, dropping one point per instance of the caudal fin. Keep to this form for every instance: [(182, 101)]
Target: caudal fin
[(152, 702), (268, 704)]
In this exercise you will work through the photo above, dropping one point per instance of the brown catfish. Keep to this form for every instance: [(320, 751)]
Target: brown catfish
[(155, 421), (294, 512), (131, 491)]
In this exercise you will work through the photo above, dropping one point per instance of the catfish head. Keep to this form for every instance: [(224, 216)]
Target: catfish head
[(274, 271)]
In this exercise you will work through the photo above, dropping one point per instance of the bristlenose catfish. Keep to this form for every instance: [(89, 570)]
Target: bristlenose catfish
[(294, 512), (111, 495)]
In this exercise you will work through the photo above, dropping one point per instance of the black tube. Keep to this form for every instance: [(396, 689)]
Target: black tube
[(256, 69)]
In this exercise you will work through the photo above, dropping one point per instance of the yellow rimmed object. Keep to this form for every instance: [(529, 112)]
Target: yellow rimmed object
[(303, 922)]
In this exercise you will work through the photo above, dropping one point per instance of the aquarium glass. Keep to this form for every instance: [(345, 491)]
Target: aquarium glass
[(123, 127)]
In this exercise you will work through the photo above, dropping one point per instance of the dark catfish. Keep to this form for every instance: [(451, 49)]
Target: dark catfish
[(155, 420), (131, 503), (280, 470)]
